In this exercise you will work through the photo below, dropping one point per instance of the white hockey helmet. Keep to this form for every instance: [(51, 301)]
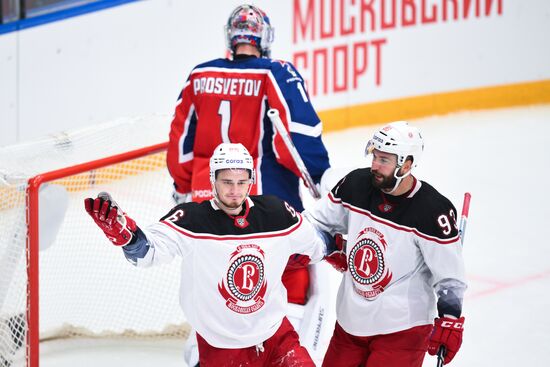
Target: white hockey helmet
[(231, 156), (249, 24), (398, 138)]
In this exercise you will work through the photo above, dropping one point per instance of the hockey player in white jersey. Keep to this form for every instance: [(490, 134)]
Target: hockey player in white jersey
[(404, 259), (234, 249)]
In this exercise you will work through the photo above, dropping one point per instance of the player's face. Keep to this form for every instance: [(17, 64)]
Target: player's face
[(232, 187), (382, 168)]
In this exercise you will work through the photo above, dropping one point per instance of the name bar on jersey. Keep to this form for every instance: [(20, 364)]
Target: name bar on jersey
[(227, 86)]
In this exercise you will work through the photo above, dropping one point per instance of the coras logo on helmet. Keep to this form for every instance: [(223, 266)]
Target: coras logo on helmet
[(398, 138), (249, 24), (231, 156)]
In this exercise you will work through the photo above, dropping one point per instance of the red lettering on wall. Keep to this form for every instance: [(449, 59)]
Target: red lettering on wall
[(330, 67), (340, 52), (489, 5), (466, 9), (378, 49), (455, 9), (316, 54), (329, 19), (360, 61), (343, 30), (393, 17), (355, 62), (301, 24), (366, 6), (428, 18), (408, 7), (324, 32)]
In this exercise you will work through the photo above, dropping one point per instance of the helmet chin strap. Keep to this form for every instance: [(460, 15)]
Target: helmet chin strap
[(398, 179)]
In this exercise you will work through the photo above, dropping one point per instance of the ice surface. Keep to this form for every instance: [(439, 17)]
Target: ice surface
[(501, 157)]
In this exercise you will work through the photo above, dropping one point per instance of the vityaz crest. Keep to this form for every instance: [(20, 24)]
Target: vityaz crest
[(244, 285), (367, 265)]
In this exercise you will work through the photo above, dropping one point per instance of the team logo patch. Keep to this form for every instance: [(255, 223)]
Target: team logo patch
[(385, 207), (241, 222), (367, 265), (245, 285)]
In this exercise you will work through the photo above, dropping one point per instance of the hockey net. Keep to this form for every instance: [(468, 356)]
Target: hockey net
[(59, 275)]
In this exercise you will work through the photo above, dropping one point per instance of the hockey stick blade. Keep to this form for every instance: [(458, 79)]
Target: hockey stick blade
[(273, 115)]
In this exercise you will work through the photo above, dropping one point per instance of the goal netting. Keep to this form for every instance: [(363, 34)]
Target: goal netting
[(59, 276)]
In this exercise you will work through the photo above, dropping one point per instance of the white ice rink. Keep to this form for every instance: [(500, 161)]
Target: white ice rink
[(501, 157)]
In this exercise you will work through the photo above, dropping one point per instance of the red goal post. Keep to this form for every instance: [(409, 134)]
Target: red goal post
[(61, 278)]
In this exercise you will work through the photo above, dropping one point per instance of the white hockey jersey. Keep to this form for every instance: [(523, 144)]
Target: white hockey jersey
[(401, 250), (231, 289)]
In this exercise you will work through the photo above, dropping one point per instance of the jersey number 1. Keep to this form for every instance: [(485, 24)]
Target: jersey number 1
[(225, 113)]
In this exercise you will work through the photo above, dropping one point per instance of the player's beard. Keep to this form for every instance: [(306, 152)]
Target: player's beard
[(232, 204), (387, 182)]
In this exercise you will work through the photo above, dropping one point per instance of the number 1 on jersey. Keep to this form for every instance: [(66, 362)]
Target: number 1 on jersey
[(225, 113)]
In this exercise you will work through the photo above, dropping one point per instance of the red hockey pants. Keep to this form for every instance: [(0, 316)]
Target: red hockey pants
[(281, 350), (405, 348)]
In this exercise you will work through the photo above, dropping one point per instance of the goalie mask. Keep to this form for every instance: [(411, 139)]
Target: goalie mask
[(249, 24), (401, 139)]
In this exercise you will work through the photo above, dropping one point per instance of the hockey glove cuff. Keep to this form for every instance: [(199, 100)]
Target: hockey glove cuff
[(336, 255)]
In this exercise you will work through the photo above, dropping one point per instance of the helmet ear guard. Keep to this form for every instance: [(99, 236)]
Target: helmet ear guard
[(398, 138), (249, 25)]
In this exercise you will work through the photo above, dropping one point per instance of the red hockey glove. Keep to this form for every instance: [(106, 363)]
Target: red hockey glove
[(117, 226), (337, 258), (447, 332)]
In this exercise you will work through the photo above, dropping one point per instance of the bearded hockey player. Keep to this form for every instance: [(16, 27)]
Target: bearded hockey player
[(404, 259)]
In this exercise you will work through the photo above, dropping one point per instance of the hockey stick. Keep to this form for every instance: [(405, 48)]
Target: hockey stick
[(464, 216), (461, 232), (273, 115)]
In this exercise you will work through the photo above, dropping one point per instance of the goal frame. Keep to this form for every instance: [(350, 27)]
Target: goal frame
[(33, 240)]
